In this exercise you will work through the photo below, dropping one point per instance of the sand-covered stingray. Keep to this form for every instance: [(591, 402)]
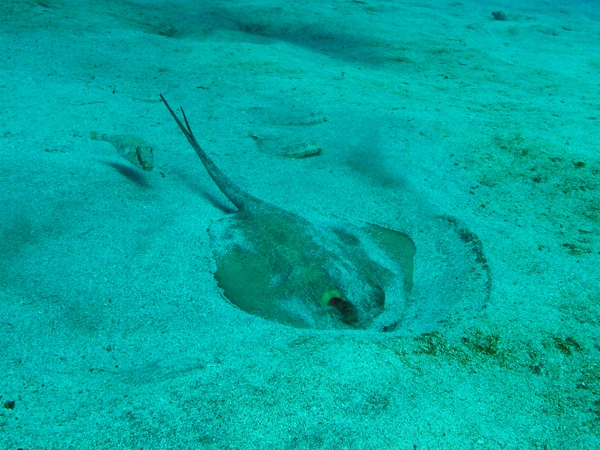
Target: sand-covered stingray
[(311, 274)]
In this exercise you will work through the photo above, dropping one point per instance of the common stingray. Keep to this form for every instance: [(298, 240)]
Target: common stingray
[(321, 274)]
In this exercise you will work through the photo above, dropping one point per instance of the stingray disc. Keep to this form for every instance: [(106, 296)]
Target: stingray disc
[(279, 266)]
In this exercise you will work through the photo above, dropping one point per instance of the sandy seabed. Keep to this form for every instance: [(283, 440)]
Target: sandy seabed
[(113, 332)]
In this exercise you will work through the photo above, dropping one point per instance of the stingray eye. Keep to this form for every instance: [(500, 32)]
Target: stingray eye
[(335, 301), (329, 295), (344, 309), (347, 311)]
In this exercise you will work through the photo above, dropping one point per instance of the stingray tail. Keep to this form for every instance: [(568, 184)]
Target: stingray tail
[(235, 195)]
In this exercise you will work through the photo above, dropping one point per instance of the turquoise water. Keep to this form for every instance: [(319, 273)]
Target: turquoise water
[(471, 127)]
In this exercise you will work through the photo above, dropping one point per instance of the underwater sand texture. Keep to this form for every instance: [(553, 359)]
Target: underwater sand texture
[(287, 145), (442, 123), (286, 131)]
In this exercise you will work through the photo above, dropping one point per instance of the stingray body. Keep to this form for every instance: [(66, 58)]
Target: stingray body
[(280, 266)]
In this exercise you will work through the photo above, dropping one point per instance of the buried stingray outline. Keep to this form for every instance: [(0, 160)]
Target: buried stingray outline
[(319, 274)]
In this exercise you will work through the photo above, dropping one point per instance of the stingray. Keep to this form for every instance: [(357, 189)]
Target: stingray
[(319, 273)]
